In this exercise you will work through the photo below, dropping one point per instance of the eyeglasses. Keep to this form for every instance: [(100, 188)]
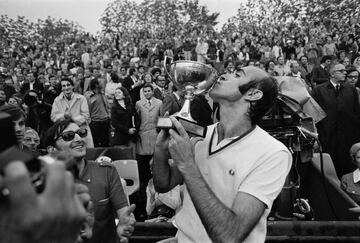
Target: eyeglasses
[(341, 71), (70, 135), (352, 77)]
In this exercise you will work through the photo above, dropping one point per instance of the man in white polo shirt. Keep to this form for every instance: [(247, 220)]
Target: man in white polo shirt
[(235, 173)]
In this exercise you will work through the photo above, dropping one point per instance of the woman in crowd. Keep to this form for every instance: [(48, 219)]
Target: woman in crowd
[(350, 182), (122, 118), (111, 86)]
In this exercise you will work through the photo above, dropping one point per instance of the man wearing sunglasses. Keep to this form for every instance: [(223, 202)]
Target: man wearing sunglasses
[(339, 130), (102, 180)]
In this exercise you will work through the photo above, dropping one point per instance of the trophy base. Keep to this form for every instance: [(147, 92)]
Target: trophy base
[(190, 127)]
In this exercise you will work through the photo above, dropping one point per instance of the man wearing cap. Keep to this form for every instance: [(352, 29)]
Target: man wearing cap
[(234, 174), (340, 128)]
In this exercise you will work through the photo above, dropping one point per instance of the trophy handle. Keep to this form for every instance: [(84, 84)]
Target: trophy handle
[(169, 66)]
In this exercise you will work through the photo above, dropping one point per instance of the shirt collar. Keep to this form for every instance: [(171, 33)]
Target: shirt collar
[(356, 176), (334, 84)]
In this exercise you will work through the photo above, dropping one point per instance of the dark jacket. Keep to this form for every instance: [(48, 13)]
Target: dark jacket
[(122, 121), (340, 129), (171, 104), (319, 75)]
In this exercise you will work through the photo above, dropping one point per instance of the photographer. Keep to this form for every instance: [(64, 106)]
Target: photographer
[(56, 215)]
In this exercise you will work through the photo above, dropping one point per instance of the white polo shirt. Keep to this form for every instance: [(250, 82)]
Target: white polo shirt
[(256, 164)]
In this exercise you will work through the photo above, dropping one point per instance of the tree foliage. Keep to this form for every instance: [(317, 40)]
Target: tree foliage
[(156, 18), (22, 30), (261, 13)]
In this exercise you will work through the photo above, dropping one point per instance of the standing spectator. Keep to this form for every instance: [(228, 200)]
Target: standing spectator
[(320, 74), (161, 90), (330, 47), (305, 68), (32, 84), (187, 49), (352, 78), (340, 128), (99, 113), (281, 68), (111, 86), (201, 50), (72, 105), (122, 118), (148, 110), (133, 85)]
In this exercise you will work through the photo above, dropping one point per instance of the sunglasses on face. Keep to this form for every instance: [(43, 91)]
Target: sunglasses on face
[(70, 135)]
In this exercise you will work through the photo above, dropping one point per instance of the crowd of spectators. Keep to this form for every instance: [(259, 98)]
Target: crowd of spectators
[(102, 82)]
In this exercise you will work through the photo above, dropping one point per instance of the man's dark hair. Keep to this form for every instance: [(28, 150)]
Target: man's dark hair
[(94, 83), (114, 77), (148, 86), (68, 80), (15, 112), (325, 58), (268, 86), (54, 131), (155, 70), (131, 71)]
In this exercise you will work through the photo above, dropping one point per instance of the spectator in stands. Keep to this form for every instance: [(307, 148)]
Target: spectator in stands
[(72, 105), (281, 68), (122, 118), (148, 111), (339, 129), (18, 117), (350, 182), (99, 110), (320, 74), (102, 179), (352, 78), (133, 85), (111, 86), (2, 97), (31, 140), (201, 50)]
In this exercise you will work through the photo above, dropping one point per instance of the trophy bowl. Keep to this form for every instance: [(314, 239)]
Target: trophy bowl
[(193, 78), (183, 73)]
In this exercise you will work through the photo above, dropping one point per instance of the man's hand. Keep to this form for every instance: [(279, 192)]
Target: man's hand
[(126, 224), (132, 131), (181, 147), (56, 215)]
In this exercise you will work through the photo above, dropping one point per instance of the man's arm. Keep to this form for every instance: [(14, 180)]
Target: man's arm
[(165, 177), (224, 224)]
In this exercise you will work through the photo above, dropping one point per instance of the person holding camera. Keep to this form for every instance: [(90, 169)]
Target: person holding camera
[(234, 174), (55, 215), (102, 179)]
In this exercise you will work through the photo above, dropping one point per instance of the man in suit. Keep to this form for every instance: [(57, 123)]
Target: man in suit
[(133, 85), (148, 110), (340, 128), (32, 84), (320, 74), (160, 91), (173, 102)]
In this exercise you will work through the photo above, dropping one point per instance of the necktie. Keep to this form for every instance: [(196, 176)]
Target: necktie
[(337, 89), (149, 103)]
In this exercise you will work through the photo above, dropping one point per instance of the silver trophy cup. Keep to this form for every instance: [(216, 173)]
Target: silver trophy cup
[(193, 78)]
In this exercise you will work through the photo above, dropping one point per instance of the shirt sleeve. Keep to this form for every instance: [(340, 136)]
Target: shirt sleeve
[(266, 181), (117, 193)]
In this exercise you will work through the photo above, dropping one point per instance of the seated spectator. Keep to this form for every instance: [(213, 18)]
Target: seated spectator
[(350, 182), (102, 179), (162, 207), (31, 140)]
